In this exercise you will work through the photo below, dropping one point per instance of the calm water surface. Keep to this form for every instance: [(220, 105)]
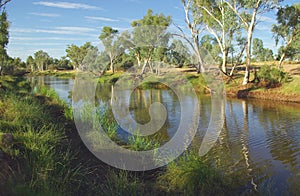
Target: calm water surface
[(259, 144)]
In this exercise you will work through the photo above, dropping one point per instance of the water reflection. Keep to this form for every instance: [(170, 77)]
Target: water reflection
[(259, 143)]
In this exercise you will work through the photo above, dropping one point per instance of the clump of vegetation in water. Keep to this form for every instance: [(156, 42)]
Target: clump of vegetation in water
[(191, 175), (139, 143)]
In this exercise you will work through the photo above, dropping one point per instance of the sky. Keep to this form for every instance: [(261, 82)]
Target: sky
[(53, 25)]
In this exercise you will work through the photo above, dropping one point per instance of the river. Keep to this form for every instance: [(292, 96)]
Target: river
[(259, 143)]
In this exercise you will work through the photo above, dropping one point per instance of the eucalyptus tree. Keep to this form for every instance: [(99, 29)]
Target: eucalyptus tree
[(42, 60), (194, 21), (211, 45), (221, 22), (150, 38), (288, 30), (247, 12), (259, 52), (4, 39), (30, 63), (77, 54), (64, 63), (178, 53), (112, 44), (238, 48), (258, 49)]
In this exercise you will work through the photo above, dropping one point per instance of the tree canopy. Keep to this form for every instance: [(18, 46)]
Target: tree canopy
[(288, 30)]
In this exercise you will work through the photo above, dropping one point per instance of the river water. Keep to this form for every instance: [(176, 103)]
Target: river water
[(259, 143)]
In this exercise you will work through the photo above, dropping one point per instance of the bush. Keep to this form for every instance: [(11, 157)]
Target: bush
[(272, 75)]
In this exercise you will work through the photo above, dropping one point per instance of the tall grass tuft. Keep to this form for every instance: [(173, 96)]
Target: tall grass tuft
[(120, 182), (139, 143), (191, 175)]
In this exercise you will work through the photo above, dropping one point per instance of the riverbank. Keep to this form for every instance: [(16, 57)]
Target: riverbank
[(289, 91)]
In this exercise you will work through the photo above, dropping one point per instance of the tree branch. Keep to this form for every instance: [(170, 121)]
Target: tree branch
[(237, 13), (209, 13), (5, 2)]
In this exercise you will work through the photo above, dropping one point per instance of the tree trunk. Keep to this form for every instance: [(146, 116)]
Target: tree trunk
[(200, 67), (248, 50), (237, 60), (139, 62), (144, 67), (281, 60), (248, 61), (284, 54), (224, 63), (112, 67), (138, 58)]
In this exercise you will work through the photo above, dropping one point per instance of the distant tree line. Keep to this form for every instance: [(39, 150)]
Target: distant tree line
[(224, 28)]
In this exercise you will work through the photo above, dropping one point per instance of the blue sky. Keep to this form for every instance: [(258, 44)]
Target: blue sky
[(52, 25)]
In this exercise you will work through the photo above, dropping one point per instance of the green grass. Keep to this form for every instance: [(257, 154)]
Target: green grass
[(139, 143), (59, 74), (122, 183), (191, 175), (110, 78), (291, 87), (43, 162)]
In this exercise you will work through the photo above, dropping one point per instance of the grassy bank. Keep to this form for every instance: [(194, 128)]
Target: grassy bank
[(39, 159), (56, 73), (274, 84)]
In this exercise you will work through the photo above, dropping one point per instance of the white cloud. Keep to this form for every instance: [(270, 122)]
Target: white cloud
[(267, 19), (38, 44), (77, 29), (262, 27), (16, 38), (67, 5), (129, 20), (57, 30), (135, 1), (101, 19), (45, 14)]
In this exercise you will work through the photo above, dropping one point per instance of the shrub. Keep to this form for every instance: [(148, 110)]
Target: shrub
[(272, 75)]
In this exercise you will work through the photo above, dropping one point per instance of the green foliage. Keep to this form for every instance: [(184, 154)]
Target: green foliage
[(288, 30), (40, 149), (42, 60), (4, 34), (192, 176), (178, 54), (122, 183), (260, 53), (139, 143), (77, 54), (150, 39), (5, 66), (50, 93), (112, 43), (272, 75)]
